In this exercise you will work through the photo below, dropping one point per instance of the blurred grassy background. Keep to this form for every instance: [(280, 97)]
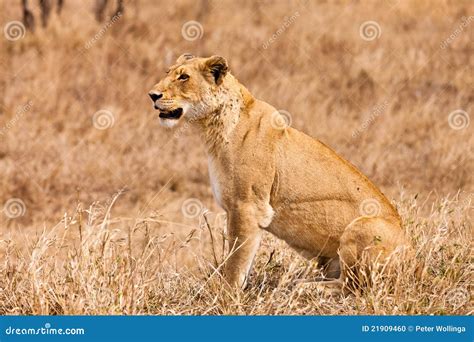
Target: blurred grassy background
[(383, 104)]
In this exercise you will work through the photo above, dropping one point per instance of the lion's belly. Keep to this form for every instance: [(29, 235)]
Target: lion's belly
[(314, 227)]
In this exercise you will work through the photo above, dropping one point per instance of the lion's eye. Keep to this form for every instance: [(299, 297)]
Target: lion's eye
[(183, 77)]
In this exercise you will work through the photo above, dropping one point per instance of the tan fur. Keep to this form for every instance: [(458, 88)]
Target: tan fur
[(278, 179)]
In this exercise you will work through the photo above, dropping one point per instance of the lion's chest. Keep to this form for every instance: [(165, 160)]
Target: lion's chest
[(216, 178)]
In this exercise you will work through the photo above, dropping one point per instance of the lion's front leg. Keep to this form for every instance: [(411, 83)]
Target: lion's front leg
[(244, 239)]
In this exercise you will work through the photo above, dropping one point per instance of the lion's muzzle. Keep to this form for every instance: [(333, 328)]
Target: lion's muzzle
[(167, 108)]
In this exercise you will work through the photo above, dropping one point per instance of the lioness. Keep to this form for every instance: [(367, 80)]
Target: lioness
[(268, 176)]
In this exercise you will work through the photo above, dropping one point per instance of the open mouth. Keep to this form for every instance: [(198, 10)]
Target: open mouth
[(172, 114)]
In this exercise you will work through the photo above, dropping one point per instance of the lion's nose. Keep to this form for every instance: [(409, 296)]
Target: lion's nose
[(155, 95)]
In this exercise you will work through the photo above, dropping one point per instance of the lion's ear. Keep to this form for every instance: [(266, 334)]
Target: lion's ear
[(218, 68), (184, 57)]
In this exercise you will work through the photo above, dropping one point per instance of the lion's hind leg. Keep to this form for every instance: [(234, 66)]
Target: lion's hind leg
[(365, 247)]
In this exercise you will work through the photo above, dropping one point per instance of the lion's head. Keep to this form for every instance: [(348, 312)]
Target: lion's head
[(190, 89)]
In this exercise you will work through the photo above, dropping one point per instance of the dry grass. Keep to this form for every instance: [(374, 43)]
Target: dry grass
[(382, 104), (87, 265)]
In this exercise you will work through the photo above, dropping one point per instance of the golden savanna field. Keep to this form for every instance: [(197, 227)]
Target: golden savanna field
[(103, 211)]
